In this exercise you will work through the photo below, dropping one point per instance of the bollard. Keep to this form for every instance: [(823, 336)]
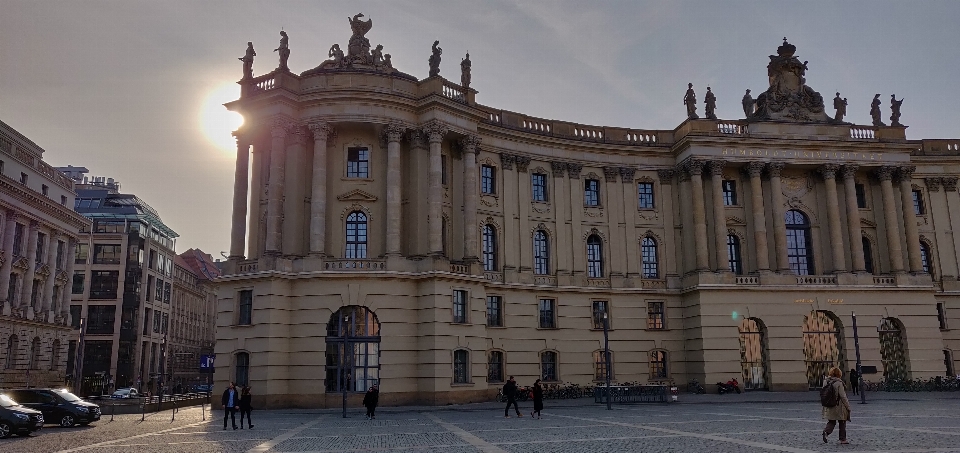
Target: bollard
[(143, 410), (173, 414), (203, 410), (113, 409)]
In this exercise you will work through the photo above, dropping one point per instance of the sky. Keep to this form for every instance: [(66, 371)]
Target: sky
[(132, 89)]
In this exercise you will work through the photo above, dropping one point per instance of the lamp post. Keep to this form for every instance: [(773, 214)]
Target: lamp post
[(78, 365), (163, 361), (856, 346), (606, 352), (344, 367)]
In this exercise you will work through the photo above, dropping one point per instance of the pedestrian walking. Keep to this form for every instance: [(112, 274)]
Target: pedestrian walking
[(231, 403), (854, 381), (510, 391), (537, 399), (836, 406), (245, 408), (370, 401)]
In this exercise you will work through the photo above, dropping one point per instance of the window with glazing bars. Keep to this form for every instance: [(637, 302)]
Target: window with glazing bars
[(594, 257), (358, 163), (494, 311), (658, 364), (925, 257), (600, 309), (918, 207), (600, 365), (729, 192), (495, 366), (459, 306), (461, 366), (488, 182), (541, 253), (548, 366), (648, 253), (548, 315), (591, 192), (645, 195), (245, 308), (356, 235), (489, 248), (655, 316), (539, 181), (733, 254), (861, 196)]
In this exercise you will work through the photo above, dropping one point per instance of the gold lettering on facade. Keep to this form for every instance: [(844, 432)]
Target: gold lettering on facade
[(800, 155), (835, 301), (803, 301)]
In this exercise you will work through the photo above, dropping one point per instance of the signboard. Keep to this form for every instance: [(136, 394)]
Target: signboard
[(868, 369), (206, 361)]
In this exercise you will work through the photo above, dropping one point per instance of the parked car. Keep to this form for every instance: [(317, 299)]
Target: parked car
[(17, 419), (203, 388), (57, 405), (126, 393)]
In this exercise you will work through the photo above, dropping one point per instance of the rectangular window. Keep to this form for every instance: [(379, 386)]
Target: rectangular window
[(729, 192), (655, 316), (63, 200), (548, 314), (459, 306), (23, 178), (100, 319), (443, 169), (12, 291), (918, 207), (149, 295), (107, 254), (35, 295), (658, 364), (44, 190), (494, 311), (488, 180), (245, 312), (75, 311), (539, 182), (600, 314), (165, 323), (146, 321), (591, 192), (167, 286), (78, 280), (156, 322), (18, 239), (158, 294), (81, 254), (152, 263), (41, 241), (600, 365), (861, 196), (645, 195), (60, 246), (942, 315), (103, 284), (358, 163)]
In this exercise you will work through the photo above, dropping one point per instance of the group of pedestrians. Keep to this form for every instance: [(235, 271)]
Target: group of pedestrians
[(233, 403), (510, 392)]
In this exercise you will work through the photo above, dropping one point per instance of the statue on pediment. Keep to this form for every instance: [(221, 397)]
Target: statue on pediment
[(359, 45), (690, 100), (435, 59), (465, 71), (895, 110), (789, 98), (336, 55), (840, 105), (748, 104), (247, 60), (284, 50), (875, 111), (710, 104)]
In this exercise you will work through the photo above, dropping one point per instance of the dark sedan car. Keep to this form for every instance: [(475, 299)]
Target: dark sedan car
[(17, 419), (57, 405)]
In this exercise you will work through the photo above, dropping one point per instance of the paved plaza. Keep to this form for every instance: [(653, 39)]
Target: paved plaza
[(757, 422)]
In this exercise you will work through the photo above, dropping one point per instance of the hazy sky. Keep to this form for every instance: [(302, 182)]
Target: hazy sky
[(121, 87)]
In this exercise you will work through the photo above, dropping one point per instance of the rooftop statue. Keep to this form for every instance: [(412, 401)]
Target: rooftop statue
[(247, 60), (895, 110), (710, 100), (359, 56), (789, 98), (359, 45), (435, 59), (465, 71), (690, 100), (284, 50), (748, 104), (336, 55), (875, 110), (841, 106)]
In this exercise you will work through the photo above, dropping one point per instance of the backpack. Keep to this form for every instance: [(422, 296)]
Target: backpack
[(828, 395)]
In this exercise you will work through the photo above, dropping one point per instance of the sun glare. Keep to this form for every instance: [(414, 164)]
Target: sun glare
[(216, 121)]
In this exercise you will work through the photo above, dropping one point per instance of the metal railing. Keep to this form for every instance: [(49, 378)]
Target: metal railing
[(622, 394)]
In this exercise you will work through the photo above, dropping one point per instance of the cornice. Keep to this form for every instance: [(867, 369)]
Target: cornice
[(43, 205)]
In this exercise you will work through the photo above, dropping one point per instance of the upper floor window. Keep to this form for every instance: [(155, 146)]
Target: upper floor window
[(245, 308), (600, 365), (601, 314), (459, 306), (655, 315), (443, 169), (942, 315), (60, 246), (103, 284), (645, 195), (541, 253), (539, 182), (356, 235), (41, 241), (729, 192), (489, 248), (495, 366), (548, 314), (358, 163), (648, 253), (23, 178), (18, 239), (488, 181), (591, 192), (45, 190), (81, 252), (548, 366), (594, 257), (78, 280), (867, 254), (461, 366), (494, 311), (107, 253), (733, 254), (861, 195), (925, 257), (918, 207), (799, 250)]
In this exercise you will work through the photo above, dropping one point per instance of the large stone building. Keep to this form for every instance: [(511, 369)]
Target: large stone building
[(39, 230), (192, 318), (394, 230)]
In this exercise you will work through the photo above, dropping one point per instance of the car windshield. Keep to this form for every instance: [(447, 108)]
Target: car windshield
[(6, 401), (70, 397)]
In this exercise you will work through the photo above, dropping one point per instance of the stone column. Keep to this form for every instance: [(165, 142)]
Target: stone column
[(905, 175), (829, 173), (275, 190), (394, 132), (755, 170), (779, 226), (719, 216), (47, 300), (853, 218), (71, 245), (695, 169), (469, 144), (258, 174), (9, 231), (435, 131), (884, 174), (26, 291), (294, 196), (318, 195), (238, 229)]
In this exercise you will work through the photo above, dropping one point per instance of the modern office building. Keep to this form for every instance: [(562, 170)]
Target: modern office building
[(394, 230), (38, 230)]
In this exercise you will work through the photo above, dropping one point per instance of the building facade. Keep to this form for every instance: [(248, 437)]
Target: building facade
[(192, 318), (38, 230), (392, 230)]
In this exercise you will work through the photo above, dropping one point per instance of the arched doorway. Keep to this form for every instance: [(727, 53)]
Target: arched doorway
[(892, 354), (753, 354), (822, 345), (353, 350)]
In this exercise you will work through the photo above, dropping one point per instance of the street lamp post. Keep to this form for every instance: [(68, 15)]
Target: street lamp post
[(856, 346), (78, 357), (163, 361), (344, 365), (606, 353)]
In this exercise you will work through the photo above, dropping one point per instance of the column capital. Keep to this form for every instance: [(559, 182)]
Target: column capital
[(933, 184), (507, 161), (558, 168), (666, 175), (905, 173), (716, 167), (574, 170), (298, 135), (522, 163), (394, 132), (693, 166), (280, 125), (321, 130), (610, 173), (418, 139), (469, 143), (435, 130), (627, 174), (243, 138), (774, 169), (850, 171), (828, 171), (949, 183), (755, 169), (12, 215), (884, 173)]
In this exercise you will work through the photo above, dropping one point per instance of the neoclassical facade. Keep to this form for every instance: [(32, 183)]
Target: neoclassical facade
[(393, 230)]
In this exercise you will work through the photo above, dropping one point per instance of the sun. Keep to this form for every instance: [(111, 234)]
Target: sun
[(216, 121)]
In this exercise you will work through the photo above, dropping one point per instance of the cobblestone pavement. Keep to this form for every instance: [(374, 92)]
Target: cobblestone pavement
[(787, 422)]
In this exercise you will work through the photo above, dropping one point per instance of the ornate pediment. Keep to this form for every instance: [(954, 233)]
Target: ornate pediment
[(357, 195), (789, 98)]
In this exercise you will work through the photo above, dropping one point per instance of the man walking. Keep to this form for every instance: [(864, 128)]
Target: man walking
[(231, 403), (510, 391), (854, 381), (370, 401)]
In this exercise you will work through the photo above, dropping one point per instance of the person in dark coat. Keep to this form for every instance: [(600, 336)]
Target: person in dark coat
[(245, 397), (370, 401), (510, 391), (231, 402), (537, 399), (840, 412), (854, 381)]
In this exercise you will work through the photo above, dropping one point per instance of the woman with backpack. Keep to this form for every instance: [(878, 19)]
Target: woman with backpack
[(836, 406)]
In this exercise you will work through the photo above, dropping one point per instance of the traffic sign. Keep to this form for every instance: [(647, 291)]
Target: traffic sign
[(206, 361)]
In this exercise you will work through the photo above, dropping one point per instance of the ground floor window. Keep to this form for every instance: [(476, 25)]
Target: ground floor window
[(658, 364), (822, 346), (353, 350), (753, 358), (892, 351)]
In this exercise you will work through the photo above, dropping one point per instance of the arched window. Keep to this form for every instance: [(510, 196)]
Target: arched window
[(892, 350), (658, 364), (867, 255), (35, 353), (353, 350), (799, 251), (648, 252), (541, 253), (594, 256), (461, 366), (495, 366), (242, 376), (733, 252), (55, 355), (489, 248), (548, 366), (600, 365), (356, 235), (925, 257), (13, 347)]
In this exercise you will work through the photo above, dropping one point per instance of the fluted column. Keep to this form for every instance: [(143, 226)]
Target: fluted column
[(829, 173), (435, 132), (719, 216), (47, 301), (905, 175), (26, 291), (394, 132), (238, 229), (755, 170), (318, 195), (9, 231), (470, 194), (695, 169), (884, 174), (853, 218), (71, 245), (275, 190), (779, 226)]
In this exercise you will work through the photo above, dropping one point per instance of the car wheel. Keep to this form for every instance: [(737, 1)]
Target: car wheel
[(5, 430), (67, 421)]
